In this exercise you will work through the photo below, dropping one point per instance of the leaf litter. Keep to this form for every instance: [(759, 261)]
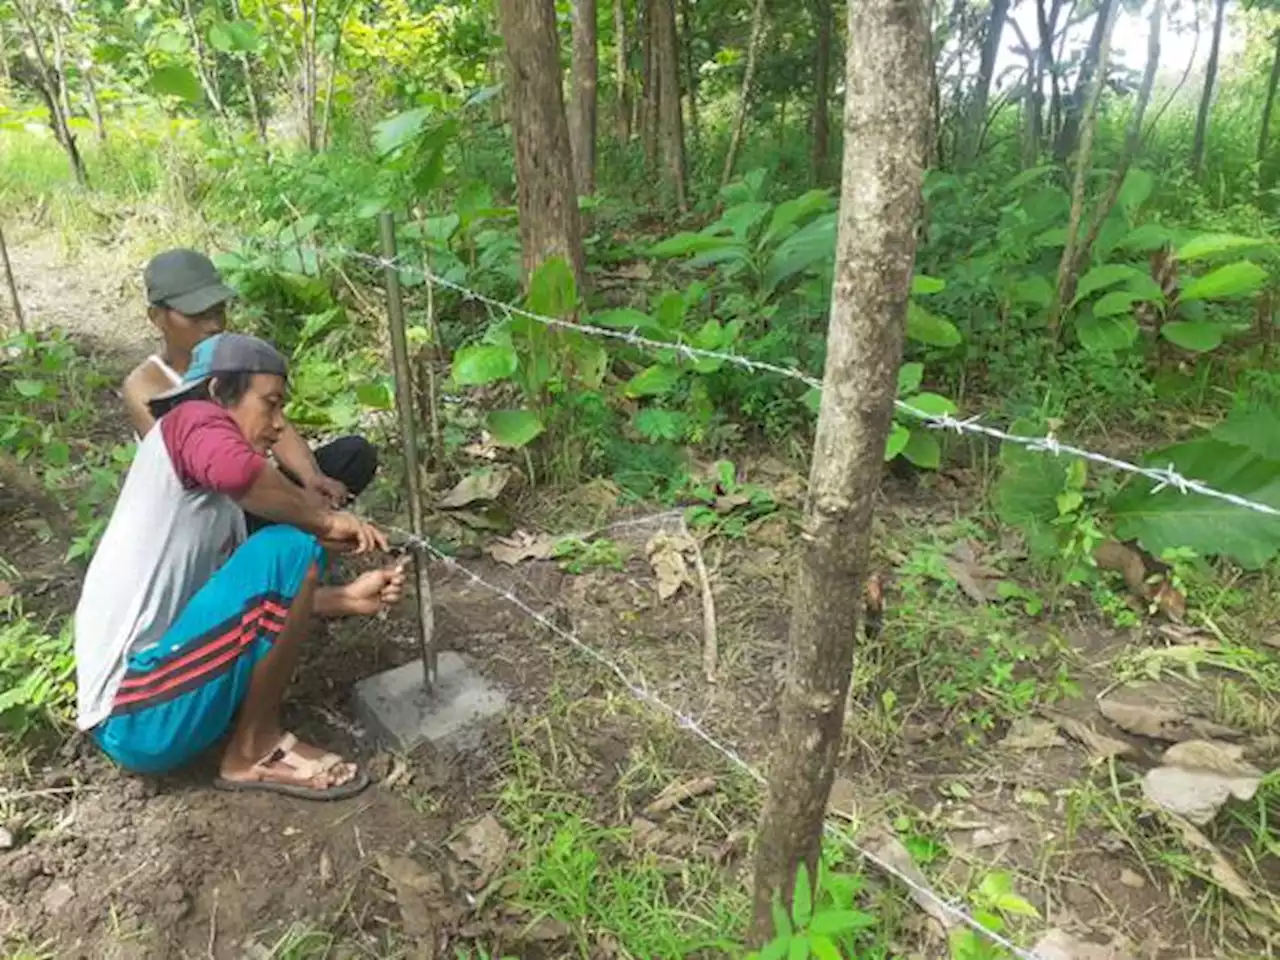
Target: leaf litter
[(666, 552), (1198, 777)]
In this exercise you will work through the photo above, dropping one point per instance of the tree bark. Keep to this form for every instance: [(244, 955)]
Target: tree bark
[(310, 17), (1066, 279), (91, 95), (1264, 133), (621, 78), (1068, 135), (977, 118), (820, 125), (1206, 96), (886, 125), (47, 85), (12, 284), (1046, 25), (651, 88), (671, 125), (208, 80), (545, 195), (691, 70), (744, 99), (582, 115)]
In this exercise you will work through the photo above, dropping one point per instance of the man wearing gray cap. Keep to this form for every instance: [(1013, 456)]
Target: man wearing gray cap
[(188, 303), (188, 631)]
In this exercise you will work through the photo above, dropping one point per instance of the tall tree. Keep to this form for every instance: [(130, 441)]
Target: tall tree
[(650, 87), (39, 74), (545, 195), (744, 98), (886, 122), (1206, 95), (689, 29), (820, 124), (582, 116), (976, 121), (667, 47), (1068, 135), (1264, 133), (621, 73)]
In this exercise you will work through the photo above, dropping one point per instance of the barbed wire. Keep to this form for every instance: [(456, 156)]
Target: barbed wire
[(641, 692), (1163, 478)]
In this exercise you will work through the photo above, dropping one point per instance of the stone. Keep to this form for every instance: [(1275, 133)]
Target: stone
[(399, 711), (57, 896)]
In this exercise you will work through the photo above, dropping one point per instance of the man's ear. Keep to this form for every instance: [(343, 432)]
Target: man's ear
[(157, 315), (211, 388)]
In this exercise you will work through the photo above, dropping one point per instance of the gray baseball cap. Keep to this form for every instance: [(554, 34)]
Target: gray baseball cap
[(221, 354), (186, 281)]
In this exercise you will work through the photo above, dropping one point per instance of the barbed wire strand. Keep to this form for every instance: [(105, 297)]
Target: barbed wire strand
[(643, 694), (1167, 477)]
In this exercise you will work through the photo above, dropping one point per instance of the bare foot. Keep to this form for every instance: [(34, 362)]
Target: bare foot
[(366, 595), (291, 762)]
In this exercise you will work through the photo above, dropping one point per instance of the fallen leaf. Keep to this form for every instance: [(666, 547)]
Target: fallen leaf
[(994, 836), (677, 793), (326, 868), (420, 895), (1272, 641), (728, 502), (1114, 555), (1132, 879), (484, 845), (483, 484), (1185, 636), (843, 801), (6, 589), (521, 546), (1139, 711), (1220, 869), (1214, 756), (892, 852), (1197, 795), (1060, 945), (1100, 746), (973, 577), (6, 839), (666, 556), (1028, 733), (646, 834)]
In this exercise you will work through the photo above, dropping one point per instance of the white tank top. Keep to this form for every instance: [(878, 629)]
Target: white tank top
[(169, 372)]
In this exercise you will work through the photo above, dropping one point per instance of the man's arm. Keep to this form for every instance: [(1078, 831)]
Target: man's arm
[(136, 393), (296, 457)]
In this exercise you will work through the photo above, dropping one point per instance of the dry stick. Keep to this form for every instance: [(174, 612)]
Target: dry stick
[(409, 440), (13, 286), (710, 636), (678, 793), (433, 395)]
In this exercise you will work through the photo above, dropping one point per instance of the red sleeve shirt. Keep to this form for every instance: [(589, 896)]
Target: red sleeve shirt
[(208, 450)]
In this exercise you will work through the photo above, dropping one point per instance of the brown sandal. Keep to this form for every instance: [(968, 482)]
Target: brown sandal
[(303, 768)]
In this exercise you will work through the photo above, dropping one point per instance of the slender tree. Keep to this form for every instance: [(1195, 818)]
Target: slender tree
[(886, 122), (667, 47), (744, 98), (1264, 133), (545, 197), (976, 121), (622, 77), (820, 123), (689, 31), (1206, 95), (582, 115)]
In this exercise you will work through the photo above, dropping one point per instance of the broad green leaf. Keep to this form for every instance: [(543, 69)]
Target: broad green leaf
[(802, 899), (931, 403), (1114, 304), (1198, 336), (1099, 278), (397, 131), (812, 399), (896, 442), (1027, 490), (1026, 176), (1035, 290), (626, 318), (909, 377), (481, 363), (1234, 280), (1143, 239), (29, 389), (1135, 190), (812, 244), (1254, 429), (798, 949), (1212, 244), (922, 449), (683, 244), (824, 948), (56, 454), (652, 381), (1107, 334), (514, 428), (234, 36), (375, 394), (552, 289), (777, 948), (781, 921), (792, 211), (176, 82), (733, 251), (832, 923), (1211, 527), (654, 424), (1051, 239), (739, 219), (1013, 904), (923, 286), (926, 327), (1144, 287)]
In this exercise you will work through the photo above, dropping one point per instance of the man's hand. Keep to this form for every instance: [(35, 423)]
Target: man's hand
[(333, 493), (347, 533)]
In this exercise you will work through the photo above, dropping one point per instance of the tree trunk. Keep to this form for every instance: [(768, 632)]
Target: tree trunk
[(335, 62), (5, 74), (1046, 24), (44, 82), (667, 47), (12, 284), (1264, 133), (208, 80), (691, 71), (886, 124), (1065, 289), (977, 118), (1132, 144), (60, 71), (310, 86), (546, 199), (582, 115), (1206, 97), (744, 99), (820, 125), (623, 120), (91, 95), (250, 88), (651, 88), (1068, 135)]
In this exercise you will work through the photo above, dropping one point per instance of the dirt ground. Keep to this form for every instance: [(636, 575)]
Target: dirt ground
[(131, 867)]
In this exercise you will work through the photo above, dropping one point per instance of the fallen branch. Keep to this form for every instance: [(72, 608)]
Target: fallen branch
[(710, 635), (678, 793)]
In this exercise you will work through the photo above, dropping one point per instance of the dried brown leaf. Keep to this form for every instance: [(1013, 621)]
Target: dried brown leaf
[(521, 546), (1099, 745), (675, 794), (484, 845), (484, 484), (666, 556), (1029, 733)]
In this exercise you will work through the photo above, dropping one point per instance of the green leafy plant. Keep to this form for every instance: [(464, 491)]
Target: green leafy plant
[(821, 923), (37, 675), (995, 903)]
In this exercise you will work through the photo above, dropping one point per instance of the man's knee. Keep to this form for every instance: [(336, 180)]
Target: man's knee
[(283, 540)]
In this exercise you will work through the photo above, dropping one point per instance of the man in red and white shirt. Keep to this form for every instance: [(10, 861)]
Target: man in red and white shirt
[(186, 629)]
